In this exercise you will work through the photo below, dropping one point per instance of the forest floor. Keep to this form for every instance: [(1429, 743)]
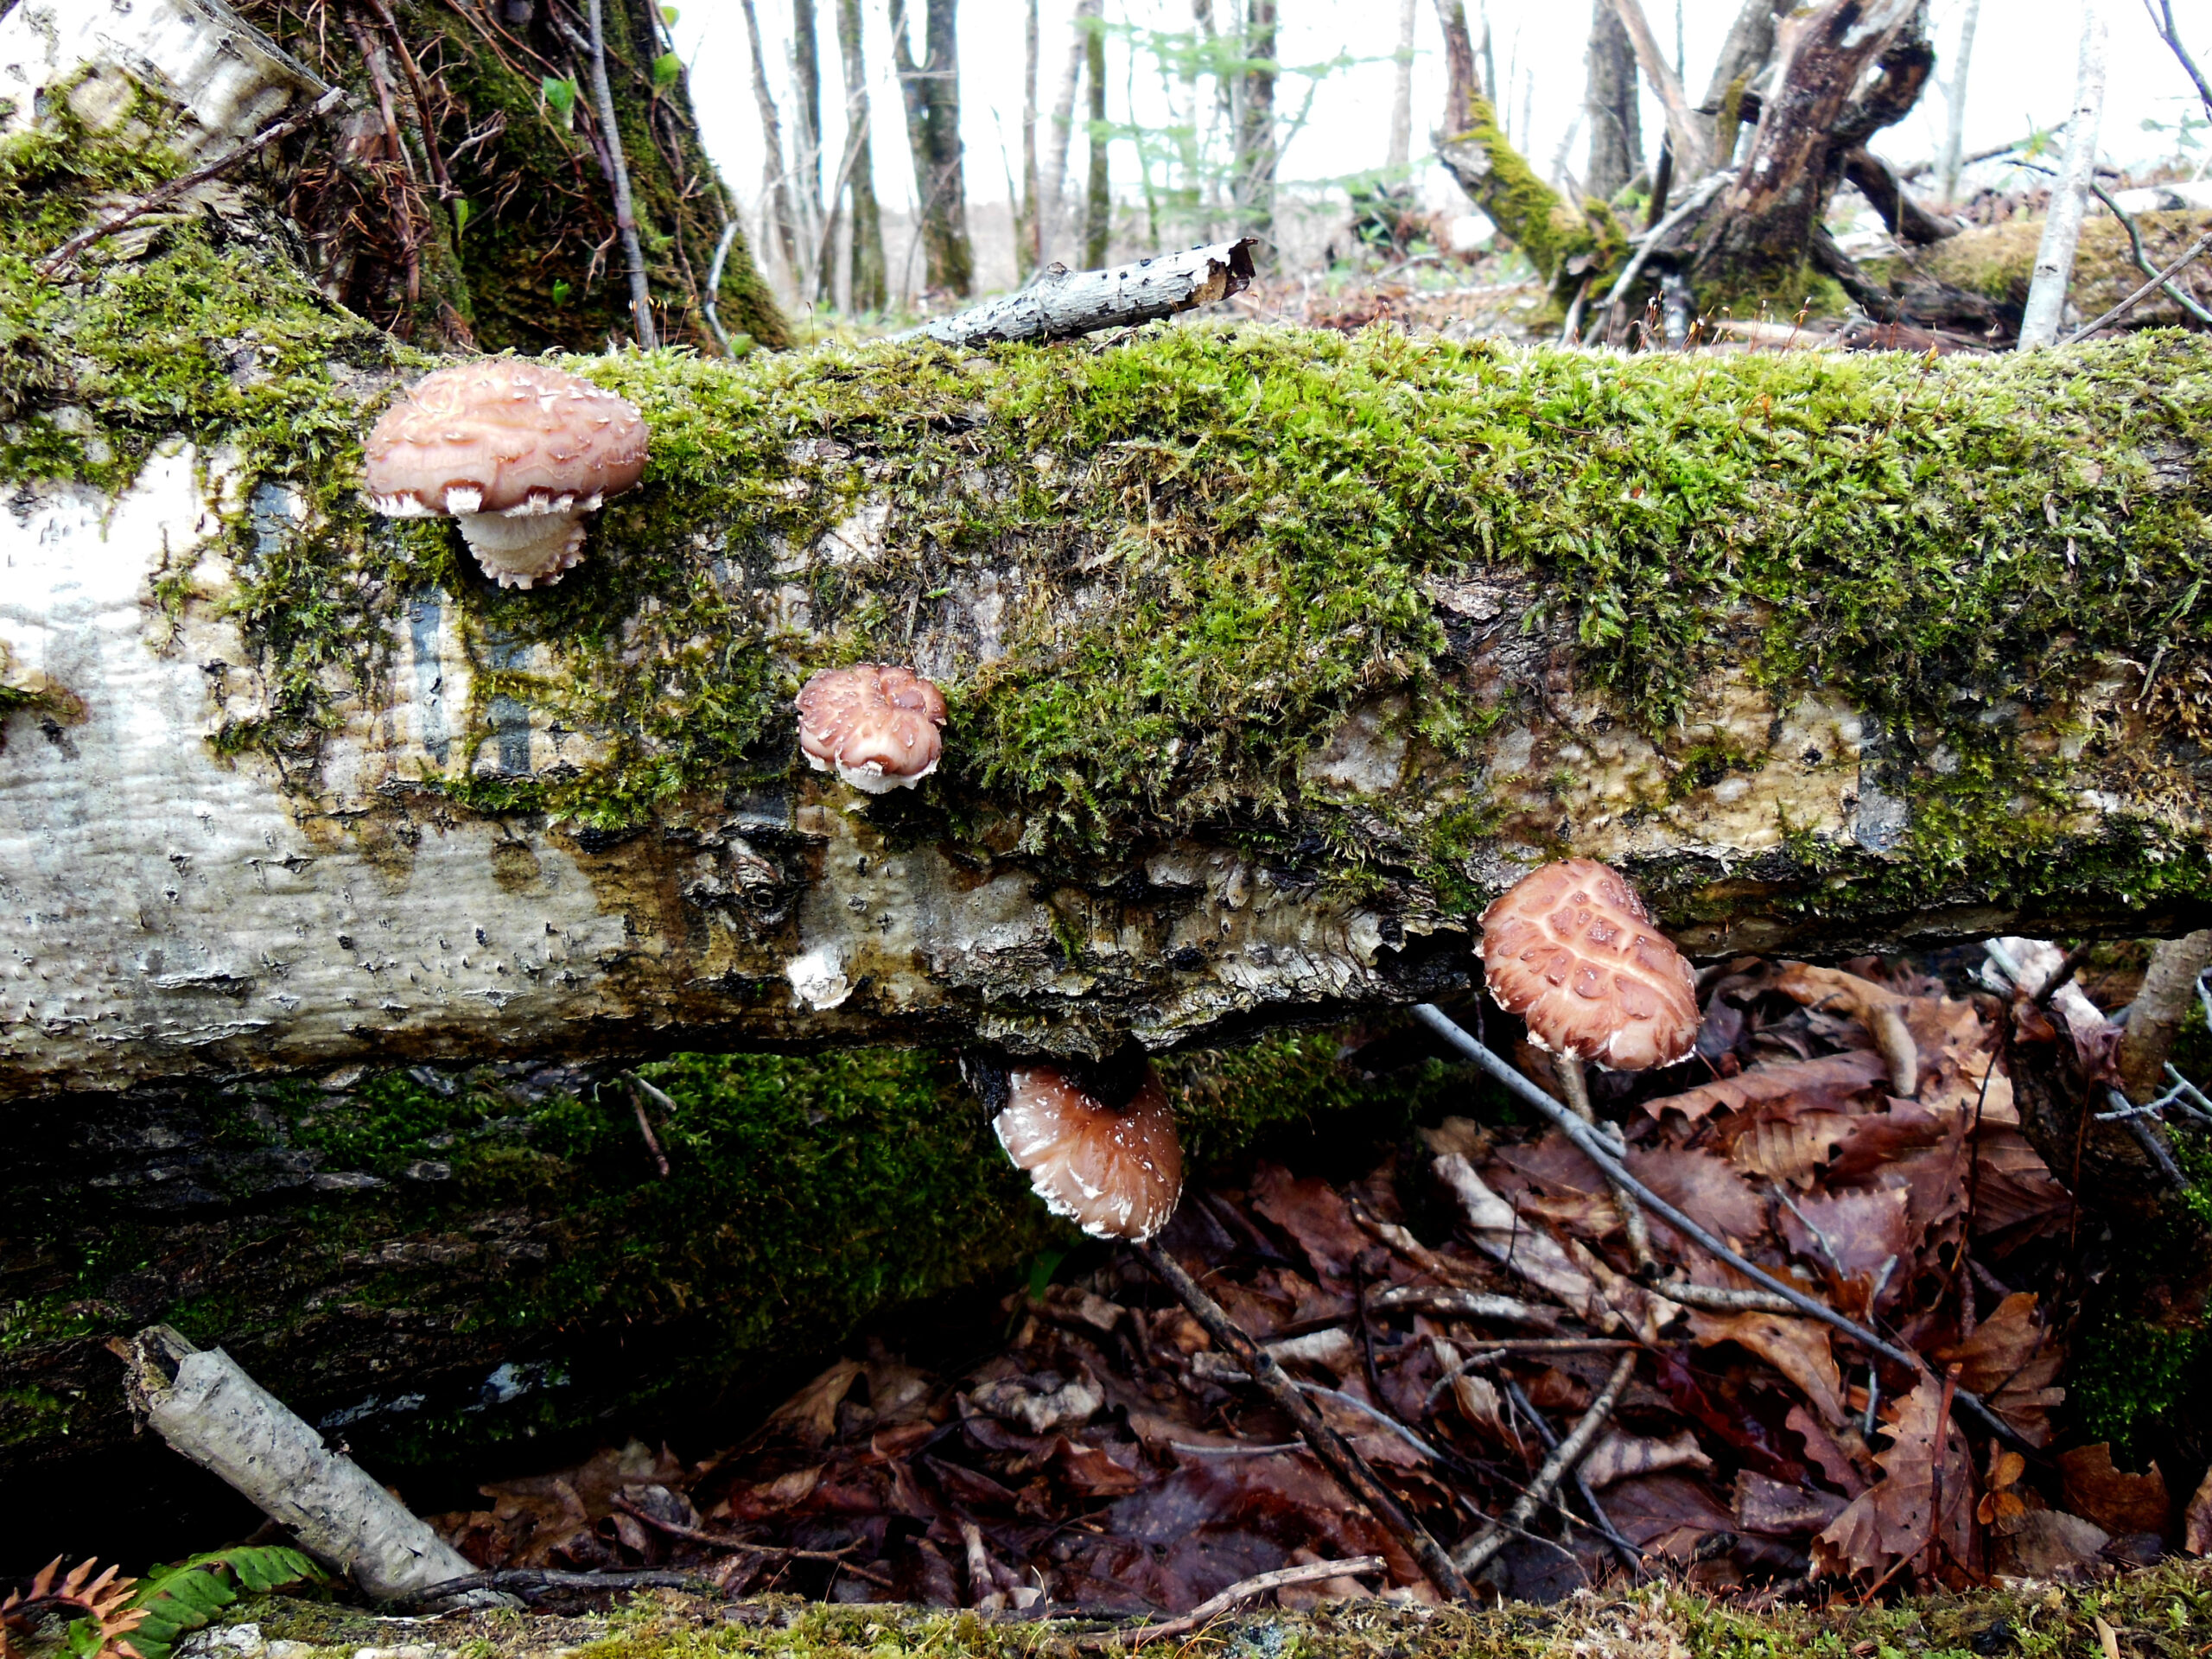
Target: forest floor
[(1455, 1304), (2164, 1612)]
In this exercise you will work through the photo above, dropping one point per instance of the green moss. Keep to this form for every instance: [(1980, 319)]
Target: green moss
[(2161, 1613), (1565, 246), (1261, 508)]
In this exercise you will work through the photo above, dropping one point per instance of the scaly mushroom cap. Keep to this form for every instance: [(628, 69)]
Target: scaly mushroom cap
[(1116, 1172), (1571, 948), (875, 724), (513, 449)]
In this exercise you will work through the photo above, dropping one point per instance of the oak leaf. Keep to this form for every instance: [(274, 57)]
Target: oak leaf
[(1914, 1510)]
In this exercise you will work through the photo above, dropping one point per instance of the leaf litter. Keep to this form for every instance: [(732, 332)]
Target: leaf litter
[(1453, 1311)]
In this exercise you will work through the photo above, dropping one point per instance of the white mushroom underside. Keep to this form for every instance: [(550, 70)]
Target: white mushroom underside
[(517, 550), (870, 778), (535, 541)]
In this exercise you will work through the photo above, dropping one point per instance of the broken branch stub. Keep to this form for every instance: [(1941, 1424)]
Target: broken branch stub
[(203, 1403)]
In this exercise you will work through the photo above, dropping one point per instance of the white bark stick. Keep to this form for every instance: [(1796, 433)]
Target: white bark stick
[(202, 1402), (1061, 303), (2069, 195)]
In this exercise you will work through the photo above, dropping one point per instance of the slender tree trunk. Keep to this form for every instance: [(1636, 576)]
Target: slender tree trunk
[(1487, 86), (1098, 213), (817, 218), (1459, 85), (1056, 165), (931, 90), (1954, 97), (1255, 182), (2070, 193), (1615, 128), (775, 180), (1402, 93), (1744, 53), (1029, 245), (1689, 133), (869, 289)]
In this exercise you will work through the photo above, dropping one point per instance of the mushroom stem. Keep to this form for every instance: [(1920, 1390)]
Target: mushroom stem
[(1337, 1454), (517, 549), (1576, 1088)]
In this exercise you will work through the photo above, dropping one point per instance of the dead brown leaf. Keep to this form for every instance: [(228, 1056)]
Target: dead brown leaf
[(2196, 1522), (1797, 1348), (1315, 1215), (1781, 1511), (1825, 1083), (2011, 1360), (2049, 1544), (1619, 1455), (1910, 1511), (2117, 1502)]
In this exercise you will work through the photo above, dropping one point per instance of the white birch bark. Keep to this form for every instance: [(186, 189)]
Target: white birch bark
[(203, 1403), (2070, 193)]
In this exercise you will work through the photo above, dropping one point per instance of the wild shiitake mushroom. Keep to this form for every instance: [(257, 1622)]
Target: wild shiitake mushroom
[(516, 451), (1097, 1142), (1571, 948), (875, 725)]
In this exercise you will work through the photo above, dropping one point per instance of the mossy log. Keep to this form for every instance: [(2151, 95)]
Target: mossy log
[(1271, 657)]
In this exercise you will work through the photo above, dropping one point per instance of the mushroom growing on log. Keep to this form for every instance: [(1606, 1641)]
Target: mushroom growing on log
[(1097, 1142), (1571, 948), (874, 725), (516, 451)]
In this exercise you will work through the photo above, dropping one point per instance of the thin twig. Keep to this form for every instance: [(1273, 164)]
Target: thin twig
[(164, 195), (2142, 260), (1245, 1590), (2196, 249), (644, 1123), (1631, 1554), (1597, 1152), (2162, 19), (626, 219), (2068, 965), (739, 1546), (1336, 1454), (1474, 1554)]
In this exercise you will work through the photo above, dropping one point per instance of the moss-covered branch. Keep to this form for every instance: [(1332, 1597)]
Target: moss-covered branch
[(1567, 245)]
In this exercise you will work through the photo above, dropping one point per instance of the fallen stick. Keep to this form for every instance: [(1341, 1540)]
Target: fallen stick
[(543, 1577), (1631, 1555), (2195, 250), (202, 1402), (744, 1546), (1474, 1554), (1245, 1590), (1462, 1303), (1336, 1454), (1595, 1149), (164, 195), (1062, 302)]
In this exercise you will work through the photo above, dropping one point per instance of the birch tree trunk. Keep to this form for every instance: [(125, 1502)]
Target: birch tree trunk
[(1270, 657), (2069, 192)]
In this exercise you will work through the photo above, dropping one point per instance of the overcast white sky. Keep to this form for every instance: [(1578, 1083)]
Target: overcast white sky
[(2022, 73)]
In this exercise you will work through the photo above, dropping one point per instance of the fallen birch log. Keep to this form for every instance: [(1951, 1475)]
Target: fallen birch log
[(202, 1402), (1270, 656)]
